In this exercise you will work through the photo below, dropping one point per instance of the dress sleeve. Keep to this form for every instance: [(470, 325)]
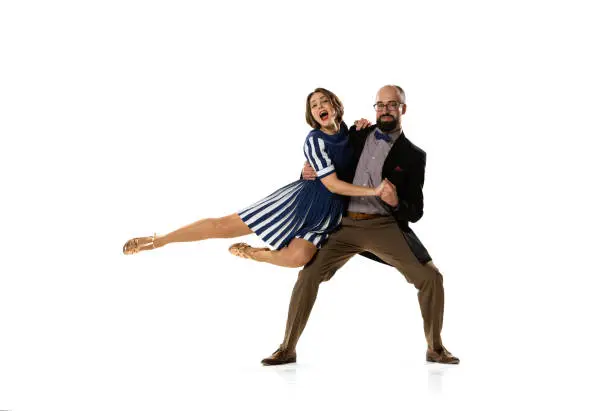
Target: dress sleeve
[(317, 156)]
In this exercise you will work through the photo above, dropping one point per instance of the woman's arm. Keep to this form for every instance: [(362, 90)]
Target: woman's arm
[(317, 156), (337, 186)]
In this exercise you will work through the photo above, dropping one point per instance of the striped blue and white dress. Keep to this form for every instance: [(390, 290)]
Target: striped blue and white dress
[(305, 208)]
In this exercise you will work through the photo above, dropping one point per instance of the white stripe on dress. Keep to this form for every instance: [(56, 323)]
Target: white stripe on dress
[(297, 223), (326, 160), (326, 170), (321, 164), (273, 217), (273, 196), (276, 242), (313, 159), (265, 208)]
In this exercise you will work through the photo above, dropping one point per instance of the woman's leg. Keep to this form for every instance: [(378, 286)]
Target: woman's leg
[(225, 227), (296, 254)]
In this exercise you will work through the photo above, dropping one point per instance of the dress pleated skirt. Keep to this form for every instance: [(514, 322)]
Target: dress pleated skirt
[(303, 209)]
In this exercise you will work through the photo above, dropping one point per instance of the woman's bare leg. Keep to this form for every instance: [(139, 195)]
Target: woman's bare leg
[(296, 254), (225, 227)]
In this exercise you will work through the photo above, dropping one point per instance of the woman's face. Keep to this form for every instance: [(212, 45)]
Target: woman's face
[(322, 110)]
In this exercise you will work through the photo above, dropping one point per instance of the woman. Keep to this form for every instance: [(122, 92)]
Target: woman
[(297, 219)]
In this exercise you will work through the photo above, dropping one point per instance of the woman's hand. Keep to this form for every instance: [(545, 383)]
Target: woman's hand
[(362, 123), (381, 188), (389, 194)]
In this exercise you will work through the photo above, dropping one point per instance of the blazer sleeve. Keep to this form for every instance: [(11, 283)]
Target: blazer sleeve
[(410, 194), (358, 136)]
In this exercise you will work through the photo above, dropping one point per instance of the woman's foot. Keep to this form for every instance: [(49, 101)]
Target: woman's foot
[(136, 245), (246, 251)]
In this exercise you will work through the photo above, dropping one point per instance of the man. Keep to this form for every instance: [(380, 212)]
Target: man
[(381, 227)]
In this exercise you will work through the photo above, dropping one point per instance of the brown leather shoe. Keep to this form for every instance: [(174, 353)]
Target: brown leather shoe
[(442, 357), (280, 356)]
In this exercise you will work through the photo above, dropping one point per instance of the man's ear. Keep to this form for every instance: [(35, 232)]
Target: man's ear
[(403, 108)]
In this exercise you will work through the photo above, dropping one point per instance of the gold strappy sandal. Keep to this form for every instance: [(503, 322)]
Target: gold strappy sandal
[(244, 250), (136, 245)]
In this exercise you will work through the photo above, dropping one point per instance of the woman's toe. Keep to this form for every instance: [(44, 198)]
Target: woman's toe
[(127, 247)]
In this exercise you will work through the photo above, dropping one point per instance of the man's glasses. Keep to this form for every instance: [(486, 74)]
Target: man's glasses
[(391, 105)]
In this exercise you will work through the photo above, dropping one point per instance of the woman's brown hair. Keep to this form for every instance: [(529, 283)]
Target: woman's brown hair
[(335, 101)]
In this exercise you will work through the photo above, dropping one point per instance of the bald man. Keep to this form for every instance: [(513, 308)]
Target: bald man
[(377, 228)]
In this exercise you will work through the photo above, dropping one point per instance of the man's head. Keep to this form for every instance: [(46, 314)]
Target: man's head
[(390, 107)]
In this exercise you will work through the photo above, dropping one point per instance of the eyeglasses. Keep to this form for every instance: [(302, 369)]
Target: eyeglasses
[(391, 105)]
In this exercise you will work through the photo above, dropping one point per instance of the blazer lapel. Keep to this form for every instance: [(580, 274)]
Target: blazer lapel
[(401, 146)]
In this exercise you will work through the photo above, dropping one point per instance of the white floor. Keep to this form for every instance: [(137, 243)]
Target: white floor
[(186, 326), (121, 118)]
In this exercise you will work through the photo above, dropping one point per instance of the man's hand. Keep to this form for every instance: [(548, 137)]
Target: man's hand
[(308, 172), (362, 123), (380, 189), (389, 194)]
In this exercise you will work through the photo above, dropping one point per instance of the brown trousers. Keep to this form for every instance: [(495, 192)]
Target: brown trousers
[(382, 237)]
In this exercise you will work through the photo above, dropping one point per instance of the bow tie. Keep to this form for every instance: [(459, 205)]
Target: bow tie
[(382, 136)]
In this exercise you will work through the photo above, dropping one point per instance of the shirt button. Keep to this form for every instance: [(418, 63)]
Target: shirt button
[(373, 158)]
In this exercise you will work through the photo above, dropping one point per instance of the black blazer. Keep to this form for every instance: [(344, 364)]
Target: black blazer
[(405, 168)]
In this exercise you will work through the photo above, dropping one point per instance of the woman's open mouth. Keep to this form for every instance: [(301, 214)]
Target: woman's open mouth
[(323, 115)]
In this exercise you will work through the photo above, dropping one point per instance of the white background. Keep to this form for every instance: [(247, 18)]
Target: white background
[(121, 118)]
